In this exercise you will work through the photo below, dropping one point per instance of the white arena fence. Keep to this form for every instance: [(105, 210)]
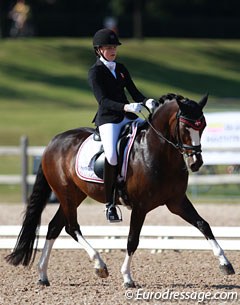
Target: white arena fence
[(115, 237), (25, 179)]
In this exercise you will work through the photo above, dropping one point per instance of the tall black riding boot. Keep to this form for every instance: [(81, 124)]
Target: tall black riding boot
[(110, 176)]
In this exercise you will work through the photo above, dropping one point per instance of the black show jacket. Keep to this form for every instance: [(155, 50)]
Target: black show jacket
[(110, 93)]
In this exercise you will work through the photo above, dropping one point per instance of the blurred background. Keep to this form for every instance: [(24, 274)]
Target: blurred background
[(188, 47), (132, 18)]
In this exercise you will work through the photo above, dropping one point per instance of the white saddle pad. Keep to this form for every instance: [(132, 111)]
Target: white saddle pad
[(85, 161)]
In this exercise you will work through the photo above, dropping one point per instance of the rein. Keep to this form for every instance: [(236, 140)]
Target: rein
[(161, 135)]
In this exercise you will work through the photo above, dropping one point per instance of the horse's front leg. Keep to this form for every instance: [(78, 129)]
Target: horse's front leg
[(188, 213), (225, 266), (137, 219)]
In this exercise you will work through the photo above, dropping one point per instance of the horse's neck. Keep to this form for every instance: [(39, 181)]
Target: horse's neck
[(161, 137), (152, 146)]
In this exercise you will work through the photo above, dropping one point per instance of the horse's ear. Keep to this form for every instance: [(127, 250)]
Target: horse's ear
[(203, 101)]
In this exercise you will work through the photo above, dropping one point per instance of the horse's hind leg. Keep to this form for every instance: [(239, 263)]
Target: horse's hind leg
[(73, 229), (99, 265), (67, 218), (54, 229), (188, 213)]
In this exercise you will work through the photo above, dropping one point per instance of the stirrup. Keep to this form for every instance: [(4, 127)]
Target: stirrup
[(113, 218)]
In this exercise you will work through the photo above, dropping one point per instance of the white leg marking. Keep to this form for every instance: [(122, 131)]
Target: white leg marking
[(43, 262), (127, 279), (93, 254), (218, 251)]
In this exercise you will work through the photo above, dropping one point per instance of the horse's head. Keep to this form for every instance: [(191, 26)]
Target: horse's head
[(189, 127), (180, 123)]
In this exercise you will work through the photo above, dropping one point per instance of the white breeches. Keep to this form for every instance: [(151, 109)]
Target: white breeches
[(109, 134)]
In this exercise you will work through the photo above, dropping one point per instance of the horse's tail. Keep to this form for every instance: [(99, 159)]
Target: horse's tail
[(23, 251)]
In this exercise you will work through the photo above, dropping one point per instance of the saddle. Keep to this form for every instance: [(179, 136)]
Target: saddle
[(90, 158), (99, 157)]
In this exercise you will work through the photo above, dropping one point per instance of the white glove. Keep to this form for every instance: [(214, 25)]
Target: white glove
[(151, 104), (133, 107)]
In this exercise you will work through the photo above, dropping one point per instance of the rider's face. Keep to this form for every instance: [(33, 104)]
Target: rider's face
[(109, 52)]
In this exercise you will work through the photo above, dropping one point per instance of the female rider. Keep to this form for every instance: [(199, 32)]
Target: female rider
[(108, 80)]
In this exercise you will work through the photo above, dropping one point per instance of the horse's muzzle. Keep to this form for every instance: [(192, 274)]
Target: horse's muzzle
[(195, 162)]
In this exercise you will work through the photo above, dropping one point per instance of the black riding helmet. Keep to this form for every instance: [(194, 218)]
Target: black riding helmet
[(104, 37)]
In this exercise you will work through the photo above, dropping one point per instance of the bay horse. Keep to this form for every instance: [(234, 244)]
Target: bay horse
[(157, 175)]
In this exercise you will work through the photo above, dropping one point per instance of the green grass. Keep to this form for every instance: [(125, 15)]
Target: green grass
[(224, 193), (10, 194), (44, 89)]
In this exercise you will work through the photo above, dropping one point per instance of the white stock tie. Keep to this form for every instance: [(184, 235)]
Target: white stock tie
[(111, 65)]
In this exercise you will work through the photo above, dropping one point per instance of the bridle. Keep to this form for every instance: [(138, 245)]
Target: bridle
[(196, 124), (183, 148)]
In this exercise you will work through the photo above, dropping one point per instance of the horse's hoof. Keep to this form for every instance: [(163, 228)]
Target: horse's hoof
[(102, 272), (227, 269), (128, 285), (43, 283)]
